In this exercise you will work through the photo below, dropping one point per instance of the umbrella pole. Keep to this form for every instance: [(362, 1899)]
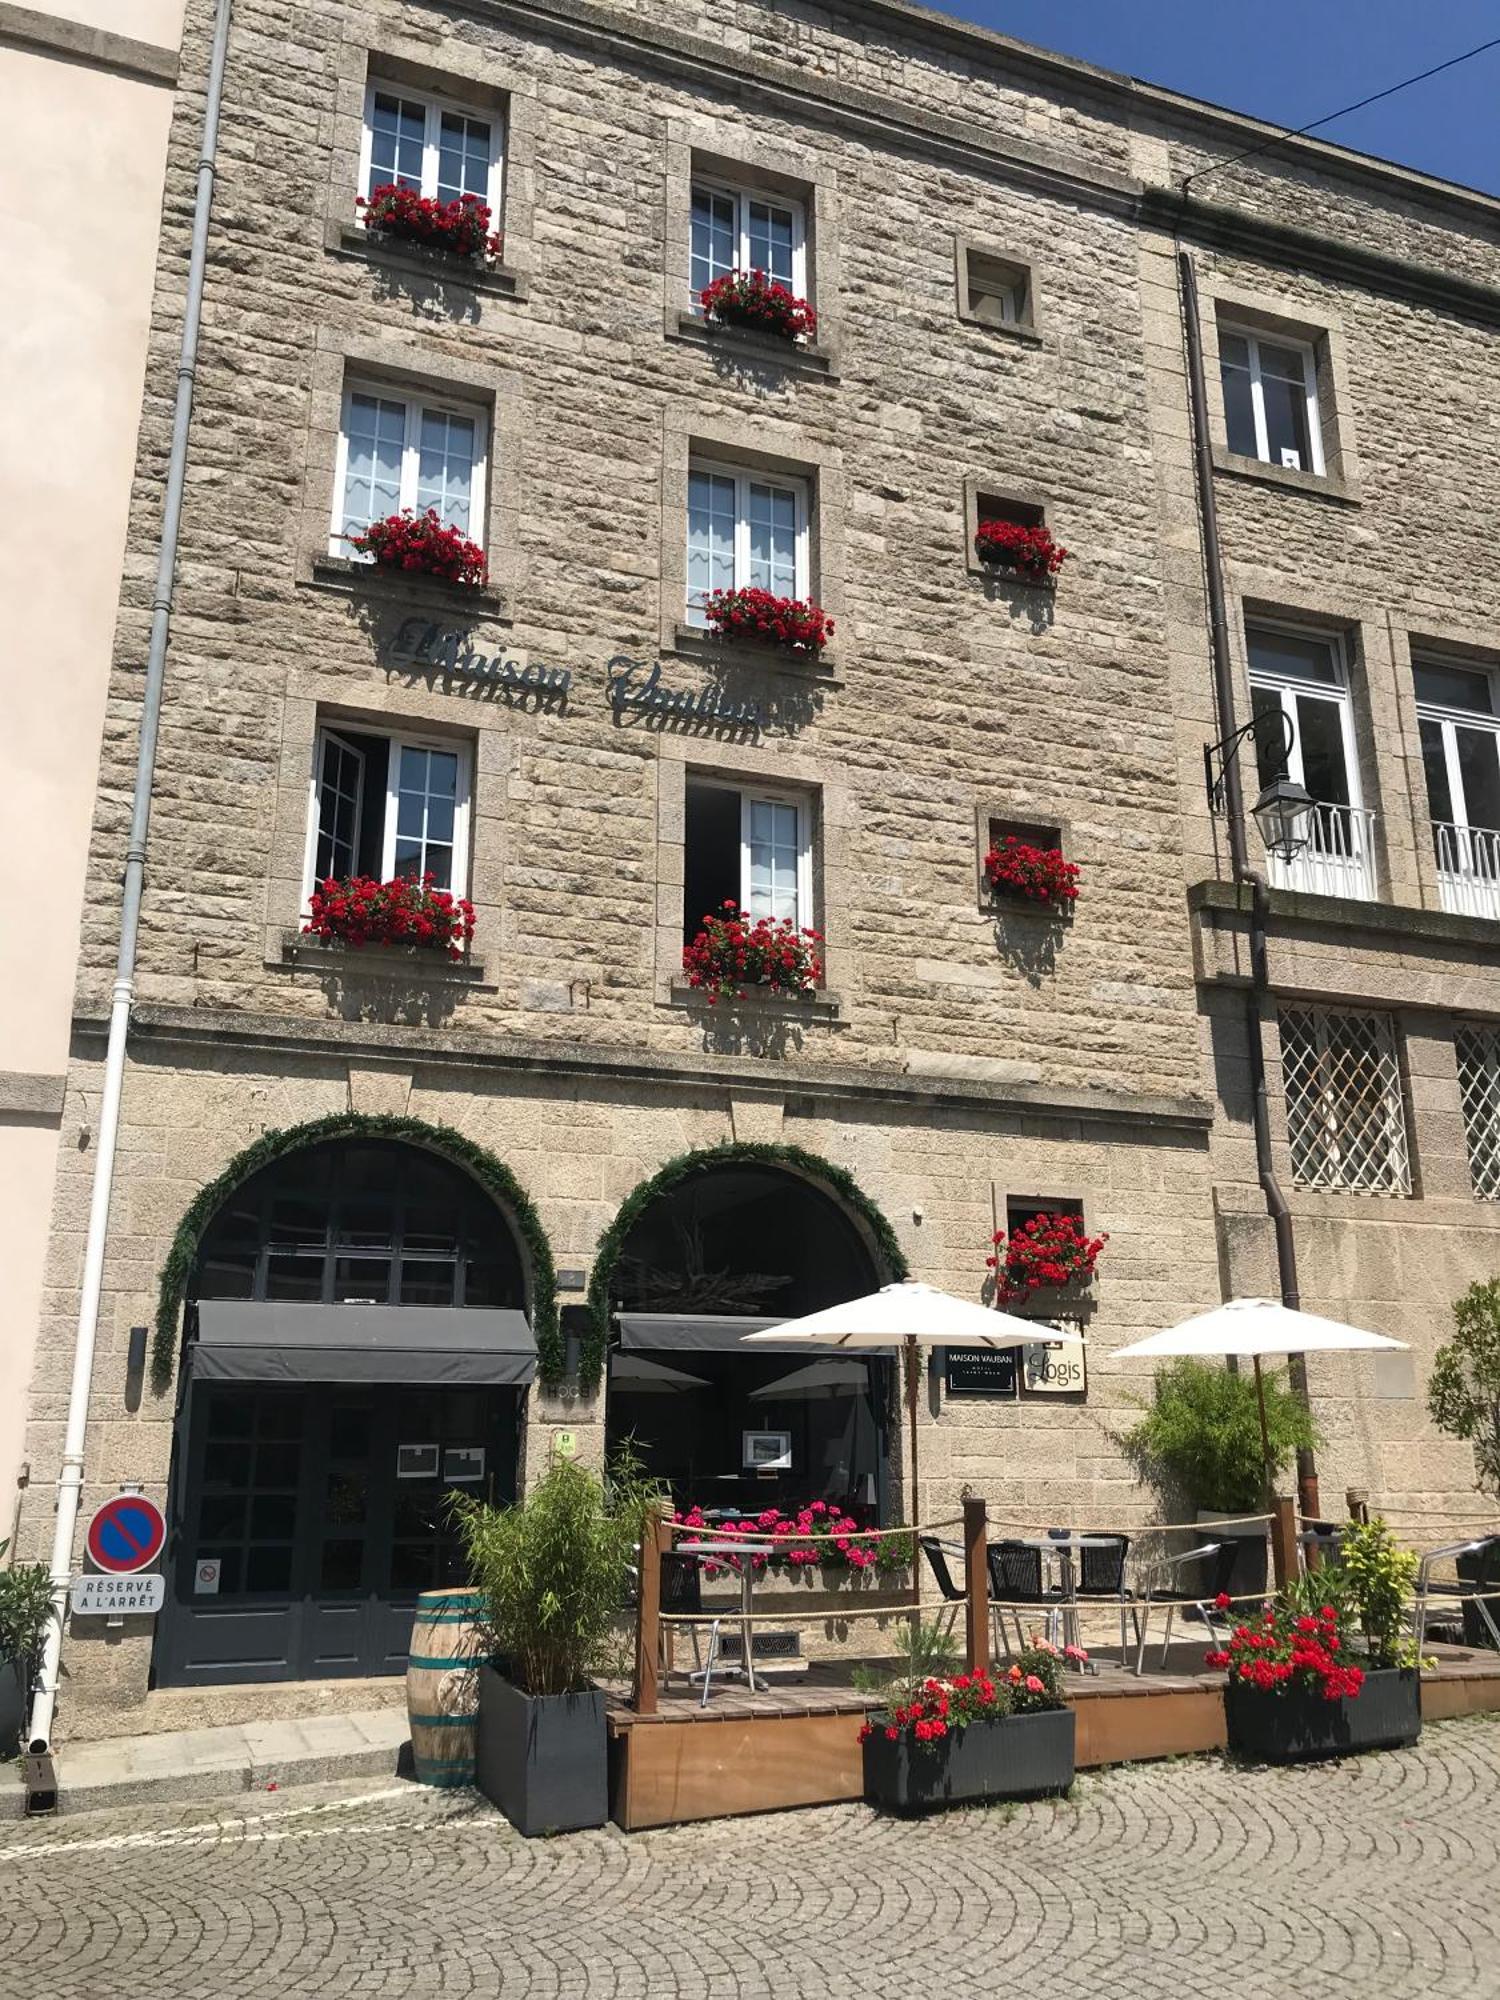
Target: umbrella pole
[(1265, 1434), (911, 1415)]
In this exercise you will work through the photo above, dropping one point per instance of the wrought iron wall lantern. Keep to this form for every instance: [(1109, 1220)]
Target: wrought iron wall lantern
[(1284, 811)]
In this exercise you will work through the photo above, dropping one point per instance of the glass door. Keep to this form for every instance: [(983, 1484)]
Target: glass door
[(1302, 678)]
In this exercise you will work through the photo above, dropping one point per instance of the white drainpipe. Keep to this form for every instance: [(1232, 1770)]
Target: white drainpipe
[(70, 1476)]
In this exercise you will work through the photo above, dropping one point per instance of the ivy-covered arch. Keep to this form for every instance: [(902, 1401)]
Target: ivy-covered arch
[(491, 1174), (822, 1174)]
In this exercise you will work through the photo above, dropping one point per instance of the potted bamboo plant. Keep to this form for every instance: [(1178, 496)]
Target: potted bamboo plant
[(555, 1570), (949, 1739), (25, 1613)]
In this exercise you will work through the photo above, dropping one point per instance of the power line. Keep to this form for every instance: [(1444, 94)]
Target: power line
[(1302, 130)]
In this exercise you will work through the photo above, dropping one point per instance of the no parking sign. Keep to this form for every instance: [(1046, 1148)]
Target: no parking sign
[(127, 1534)]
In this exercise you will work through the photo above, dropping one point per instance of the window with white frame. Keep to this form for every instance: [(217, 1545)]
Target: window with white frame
[(745, 530), (1459, 720), (1477, 1048), (737, 229), (398, 450), (1304, 676), (439, 149), (746, 845), (996, 291), (1271, 399), (388, 805), (1345, 1115)]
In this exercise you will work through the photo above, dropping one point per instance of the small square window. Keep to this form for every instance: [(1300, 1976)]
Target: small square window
[(388, 805), (749, 846), (994, 290), (994, 831)]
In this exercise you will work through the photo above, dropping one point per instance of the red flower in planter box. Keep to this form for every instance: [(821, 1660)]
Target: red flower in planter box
[(1048, 1250), (751, 299), (1030, 551), (422, 545), (1040, 874), (404, 913), (1291, 1645), (461, 227), (734, 950), (773, 621)]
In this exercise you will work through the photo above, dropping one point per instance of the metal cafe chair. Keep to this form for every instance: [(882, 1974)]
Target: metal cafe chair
[(1322, 1539), (682, 1597), (1482, 1560), (940, 1557), (1016, 1579), (1175, 1597), (1101, 1578)]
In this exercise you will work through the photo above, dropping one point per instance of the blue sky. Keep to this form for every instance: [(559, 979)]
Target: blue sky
[(1295, 60)]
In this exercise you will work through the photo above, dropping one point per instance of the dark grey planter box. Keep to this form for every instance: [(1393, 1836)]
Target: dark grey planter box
[(1298, 1725), (13, 1691), (1014, 1757), (542, 1760)]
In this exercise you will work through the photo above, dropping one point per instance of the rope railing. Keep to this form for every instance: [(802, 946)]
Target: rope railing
[(743, 1528)]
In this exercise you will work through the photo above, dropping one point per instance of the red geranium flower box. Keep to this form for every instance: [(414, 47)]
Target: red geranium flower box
[(734, 951), (461, 227), (422, 545), (1032, 552), (760, 304), (769, 620), (405, 914), (1018, 867), (1047, 1251)]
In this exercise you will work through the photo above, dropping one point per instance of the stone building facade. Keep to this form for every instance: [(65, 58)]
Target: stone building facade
[(989, 235)]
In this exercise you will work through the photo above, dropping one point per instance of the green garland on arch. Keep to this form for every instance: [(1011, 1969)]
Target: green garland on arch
[(491, 1174), (822, 1173)]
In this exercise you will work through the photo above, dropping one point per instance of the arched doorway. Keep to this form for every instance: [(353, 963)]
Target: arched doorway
[(731, 1243), (356, 1351)]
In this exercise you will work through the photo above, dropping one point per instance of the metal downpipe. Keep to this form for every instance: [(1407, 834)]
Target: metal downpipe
[(70, 1475), (1234, 813)]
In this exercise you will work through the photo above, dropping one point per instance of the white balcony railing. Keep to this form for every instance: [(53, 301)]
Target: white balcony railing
[(1338, 860), (1468, 863)]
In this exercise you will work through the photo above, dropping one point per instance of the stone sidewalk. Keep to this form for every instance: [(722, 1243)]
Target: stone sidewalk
[(193, 1764)]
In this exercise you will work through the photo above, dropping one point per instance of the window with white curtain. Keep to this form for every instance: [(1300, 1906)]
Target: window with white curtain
[(745, 530), (439, 149), (1305, 676), (736, 229), (1345, 1111), (1458, 718), (1271, 399), (388, 805), (398, 451), (750, 846)]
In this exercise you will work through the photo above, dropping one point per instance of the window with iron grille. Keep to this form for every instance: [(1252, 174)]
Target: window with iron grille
[(1478, 1052), (1346, 1122)]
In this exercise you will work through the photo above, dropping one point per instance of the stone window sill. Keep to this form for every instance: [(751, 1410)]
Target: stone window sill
[(355, 579), (347, 239), (1318, 485), (819, 1006), (301, 954), (694, 642), (766, 350), (1023, 336), (994, 904), (993, 572)]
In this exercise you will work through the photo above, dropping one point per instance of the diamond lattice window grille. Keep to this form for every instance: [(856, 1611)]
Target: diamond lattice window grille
[(1478, 1052), (1345, 1119)]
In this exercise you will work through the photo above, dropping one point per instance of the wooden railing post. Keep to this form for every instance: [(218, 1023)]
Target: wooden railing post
[(655, 1541), (1283, 1538), (976, 1585)]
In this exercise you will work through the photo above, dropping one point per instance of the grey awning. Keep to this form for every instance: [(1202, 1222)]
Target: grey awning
[(719, 1332), (242, 1341)]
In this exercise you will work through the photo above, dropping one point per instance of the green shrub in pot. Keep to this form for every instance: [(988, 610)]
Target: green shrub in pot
[(25, 1613), (1200, 1435)]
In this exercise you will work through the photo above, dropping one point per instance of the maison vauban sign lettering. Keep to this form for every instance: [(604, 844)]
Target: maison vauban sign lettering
[(634, 684), (438, 649)]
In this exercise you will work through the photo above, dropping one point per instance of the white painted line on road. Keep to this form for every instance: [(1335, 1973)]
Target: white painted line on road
[(237, 1824)]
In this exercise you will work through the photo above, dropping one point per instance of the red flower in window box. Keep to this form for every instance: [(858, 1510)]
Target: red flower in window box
[(1047, 1251), (770, 620), (1016, 867), (734, 950), (751, 299), (1031, 552), (405, 913), (422, 545), (461, 228)]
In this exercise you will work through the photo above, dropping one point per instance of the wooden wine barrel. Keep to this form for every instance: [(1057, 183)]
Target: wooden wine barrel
[(442, 1686)]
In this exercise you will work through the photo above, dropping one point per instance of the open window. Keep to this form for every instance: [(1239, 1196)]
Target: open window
[(388, 805), (749, 846)]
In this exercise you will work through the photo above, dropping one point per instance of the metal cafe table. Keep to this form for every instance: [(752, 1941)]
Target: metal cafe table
[(718, 1551), (1063, 1547)]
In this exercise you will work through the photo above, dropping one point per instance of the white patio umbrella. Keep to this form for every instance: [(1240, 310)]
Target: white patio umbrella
[(1261, 1329), (910, 1316)]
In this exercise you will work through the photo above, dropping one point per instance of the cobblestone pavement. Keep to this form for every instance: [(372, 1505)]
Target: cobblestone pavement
[(1375, 1877)]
